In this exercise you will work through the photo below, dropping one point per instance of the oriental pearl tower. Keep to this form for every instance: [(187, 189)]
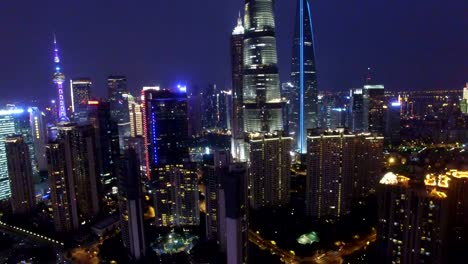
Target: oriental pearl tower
[(59, 79)]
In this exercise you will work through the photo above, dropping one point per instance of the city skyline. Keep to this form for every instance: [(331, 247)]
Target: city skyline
[(402, 34)]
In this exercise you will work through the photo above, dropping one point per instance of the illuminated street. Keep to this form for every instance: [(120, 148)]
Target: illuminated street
[(329, 257)]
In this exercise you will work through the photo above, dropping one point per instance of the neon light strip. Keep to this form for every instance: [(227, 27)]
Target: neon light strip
[(145, 135)]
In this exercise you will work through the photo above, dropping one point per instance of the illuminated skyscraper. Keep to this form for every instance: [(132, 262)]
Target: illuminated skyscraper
[(237, 49), (131, 207), (304, 104), (136, 116), (20, 174), (269, 175), (165, 125), (7, 128), (59, 79), (261, 87), (80, 90), (117, 92)]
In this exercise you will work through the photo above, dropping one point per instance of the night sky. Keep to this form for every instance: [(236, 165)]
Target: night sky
[(410, 44)]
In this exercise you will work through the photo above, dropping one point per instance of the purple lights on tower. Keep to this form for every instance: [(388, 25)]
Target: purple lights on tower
[(59, 79)]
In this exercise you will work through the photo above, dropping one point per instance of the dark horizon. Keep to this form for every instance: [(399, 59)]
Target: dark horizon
[(182, 41)]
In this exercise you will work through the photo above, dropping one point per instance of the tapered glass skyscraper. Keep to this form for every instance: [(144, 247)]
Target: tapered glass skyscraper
[(303, 98), (261, 87)]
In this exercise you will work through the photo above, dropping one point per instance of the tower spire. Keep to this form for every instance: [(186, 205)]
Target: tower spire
[(59, 79)]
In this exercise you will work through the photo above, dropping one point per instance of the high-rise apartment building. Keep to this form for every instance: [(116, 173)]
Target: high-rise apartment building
[(80, 90), (20, 174), (176, 196), (269, 174), (130, 203), (261, 86), (423, 222), (304, 103), (73, 176), (340, 164)]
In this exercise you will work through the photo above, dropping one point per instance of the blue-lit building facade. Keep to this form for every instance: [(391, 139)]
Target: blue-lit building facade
[(303, 113), (165, 125)]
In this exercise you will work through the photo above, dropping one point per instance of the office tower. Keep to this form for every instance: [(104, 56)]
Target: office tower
[(118, 99), (376, 103), (131, 207), (39, 136), (215, 107), (413, 217), (138, 145), (269, 174), (214, 170), (194, 102), (73, 171), (59, 79), (7, 128), (136, 116), (20, 174), (359, 110), (210, 117), (392, 123), (80, 90), (165, 128), (176, 196), (234, 193), (261, 87), (107, 141), (237, 50), (24, 127), (464, 100), (304, 104)]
